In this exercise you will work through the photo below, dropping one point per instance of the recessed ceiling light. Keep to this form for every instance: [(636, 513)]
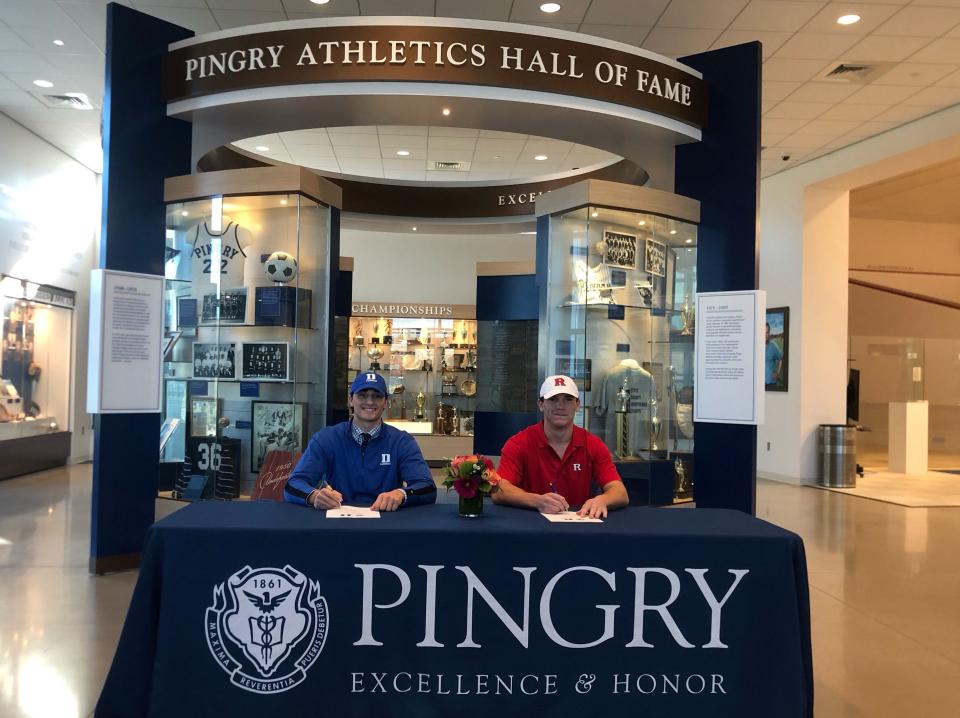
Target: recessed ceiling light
[(642, 222), (550, 7), (496, 157), (58, 43), (848, 19), (689, 241), (319, 2), (540, 158), (184, 213), (403, 153), (262, 148), (414, 229), (594, 213), (445, 111), (43, 83), (673, 231), (283, 201)]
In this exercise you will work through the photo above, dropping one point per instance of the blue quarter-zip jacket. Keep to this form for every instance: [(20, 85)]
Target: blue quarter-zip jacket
[(392, 460)]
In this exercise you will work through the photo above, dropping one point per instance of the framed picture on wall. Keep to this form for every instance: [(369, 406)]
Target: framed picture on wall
[(655, 258), (276, 426), (204, 413), (619, 249), (776, 353), (230, 307), (265, 361)]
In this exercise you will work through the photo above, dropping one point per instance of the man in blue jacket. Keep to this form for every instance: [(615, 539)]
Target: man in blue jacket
[(362, 461)]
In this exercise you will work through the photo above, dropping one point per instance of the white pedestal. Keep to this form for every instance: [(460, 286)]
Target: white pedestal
[(908, 437)]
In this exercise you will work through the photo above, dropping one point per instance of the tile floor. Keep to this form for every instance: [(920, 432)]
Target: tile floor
[(884, 585)]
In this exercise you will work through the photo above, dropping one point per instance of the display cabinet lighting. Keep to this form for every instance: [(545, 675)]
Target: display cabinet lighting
[(689, 241), (550, 7), (414, 229), (673, 231), (445, 111), (642, 222), (184, 213), (594, 213), (850, 19), (43, 83)]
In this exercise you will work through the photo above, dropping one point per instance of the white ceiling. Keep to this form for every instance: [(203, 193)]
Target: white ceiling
[(927, 195), (372, 152), (803, 115)]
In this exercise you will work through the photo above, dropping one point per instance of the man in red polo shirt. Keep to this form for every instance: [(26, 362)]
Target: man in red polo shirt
[(551, 466)]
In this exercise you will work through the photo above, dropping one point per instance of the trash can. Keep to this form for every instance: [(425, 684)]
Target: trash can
[(837, 456)]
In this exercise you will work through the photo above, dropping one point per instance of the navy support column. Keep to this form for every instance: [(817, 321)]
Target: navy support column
[(722, 172), (141, 147)]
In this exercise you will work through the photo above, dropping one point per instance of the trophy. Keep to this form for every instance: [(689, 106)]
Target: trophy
[(358, 333), (375, 353), (688, 316), (682, 485), (421, 400), (623, 420), (388, 332), (655, 425)]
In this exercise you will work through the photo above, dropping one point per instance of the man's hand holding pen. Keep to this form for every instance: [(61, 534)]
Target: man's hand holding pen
[(325, 497)]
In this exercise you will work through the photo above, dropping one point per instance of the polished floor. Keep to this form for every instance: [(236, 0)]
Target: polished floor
[(884, 589)]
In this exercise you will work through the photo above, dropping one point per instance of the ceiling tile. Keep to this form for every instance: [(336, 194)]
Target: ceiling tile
[(782, 126), (407, 165), (568, 26), (495, 157), (798, 110), (28, 12), (405, 175), (452, 143), (881, 48), (91, 66), (907, 113), (392, 7), (357, 152), (771, 40), (815, 46), (768, 138), (199, 20), (824, 92), (493, 144), (921, 21), (951, 80), (261, 5), (915, 73), (852, 111), (239, 18), (304, 9), (942, 96), (882, 94), (716, 14), (354, 130), (18, 98), (617, 12), (305, 137), (630, 34), (821, 126), (775, 91), (91, 19), (486, 10), (402, 130), (312, 152), (807, 142), (5, 84), (452, 132), (146, 4), (781, 15), (571, 11), (31, 63), (339, 137), (678, 41), (393, 143), (63, 28), (871, 17), (783, 70), (943, 50), (10, 41)]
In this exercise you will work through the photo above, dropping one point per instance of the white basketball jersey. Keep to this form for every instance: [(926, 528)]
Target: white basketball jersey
[(216, 255)]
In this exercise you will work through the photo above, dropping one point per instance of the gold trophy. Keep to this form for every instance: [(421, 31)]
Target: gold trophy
[(655, 425), (358, 333), (421, 400), (623, 420), (374, 353)]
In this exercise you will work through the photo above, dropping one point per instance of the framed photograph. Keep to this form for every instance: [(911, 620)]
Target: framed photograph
[(214, 361), (204, 413), (776, 353), (265, 361), (577, 369), (619, 249), (655, 258), (276, 426), (229, 308)]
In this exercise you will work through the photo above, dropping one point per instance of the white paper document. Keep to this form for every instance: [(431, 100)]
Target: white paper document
[(352, 512), (570, 517)]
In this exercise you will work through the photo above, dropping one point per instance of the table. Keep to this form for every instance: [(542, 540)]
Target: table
[(262, 608)]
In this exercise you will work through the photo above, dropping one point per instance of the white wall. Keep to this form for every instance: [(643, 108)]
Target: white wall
[(425, 268), (804, 248), (49, 221)]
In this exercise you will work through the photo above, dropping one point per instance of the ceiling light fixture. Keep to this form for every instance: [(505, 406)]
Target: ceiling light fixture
[(283, 201), (319, 2), (184, 213), (550, 7), (850, 19), (445, 112), (43, 83), (262, 148), (594, 213), (673, 231), (58, 43), (689, 241), (540, 158), (414, 229), (642, 222), (403, 153)]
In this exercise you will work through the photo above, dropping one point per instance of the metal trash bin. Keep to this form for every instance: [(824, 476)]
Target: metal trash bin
[(837, 456)]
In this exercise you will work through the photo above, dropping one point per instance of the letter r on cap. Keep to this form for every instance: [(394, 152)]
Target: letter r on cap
[(558, 381)]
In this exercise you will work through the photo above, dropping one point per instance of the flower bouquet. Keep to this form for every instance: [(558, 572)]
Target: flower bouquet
[(471, 477)]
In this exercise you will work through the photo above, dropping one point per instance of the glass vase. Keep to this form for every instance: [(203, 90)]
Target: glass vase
[(471, 508)]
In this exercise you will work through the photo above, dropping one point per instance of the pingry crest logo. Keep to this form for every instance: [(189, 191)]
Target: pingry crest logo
[(266, 627)]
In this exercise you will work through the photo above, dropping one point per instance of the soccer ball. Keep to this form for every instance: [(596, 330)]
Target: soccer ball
[(280, 267)]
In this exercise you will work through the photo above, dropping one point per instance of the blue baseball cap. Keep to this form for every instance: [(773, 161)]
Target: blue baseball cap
[(368, 380)]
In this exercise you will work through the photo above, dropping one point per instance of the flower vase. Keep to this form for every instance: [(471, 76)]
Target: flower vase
[(471, 508)]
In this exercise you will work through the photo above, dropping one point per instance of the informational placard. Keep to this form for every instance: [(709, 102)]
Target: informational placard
[(729, 338), (126, 342)]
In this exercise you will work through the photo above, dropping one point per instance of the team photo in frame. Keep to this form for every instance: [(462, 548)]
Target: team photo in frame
[(619, 249), (229, 307), (655, 258), (276, 426), (214, 361), (265, 361)]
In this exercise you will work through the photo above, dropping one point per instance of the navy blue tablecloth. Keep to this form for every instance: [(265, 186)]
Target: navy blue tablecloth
[(249, 609)]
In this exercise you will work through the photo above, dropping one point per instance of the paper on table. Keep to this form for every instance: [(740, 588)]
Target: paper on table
[(352, 512), (570, 517)]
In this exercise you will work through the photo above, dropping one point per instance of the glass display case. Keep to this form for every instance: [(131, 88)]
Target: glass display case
[(430, 366), (246, 327), (35, 370), (619, 320)]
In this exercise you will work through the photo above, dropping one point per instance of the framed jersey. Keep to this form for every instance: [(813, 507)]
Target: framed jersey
[(217, 258)]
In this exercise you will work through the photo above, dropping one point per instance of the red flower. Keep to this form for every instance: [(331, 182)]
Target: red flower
[(467, 487)]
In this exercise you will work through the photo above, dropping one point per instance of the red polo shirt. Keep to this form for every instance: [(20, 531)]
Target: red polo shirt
[(528, 462)]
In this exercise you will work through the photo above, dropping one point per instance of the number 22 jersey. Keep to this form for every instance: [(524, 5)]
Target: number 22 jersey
[(206, 263)]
